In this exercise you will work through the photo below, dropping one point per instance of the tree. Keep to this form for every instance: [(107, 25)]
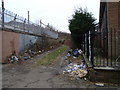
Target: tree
[(82, 21)]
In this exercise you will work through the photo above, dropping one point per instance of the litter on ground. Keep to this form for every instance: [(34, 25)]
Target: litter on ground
[(76, 70)]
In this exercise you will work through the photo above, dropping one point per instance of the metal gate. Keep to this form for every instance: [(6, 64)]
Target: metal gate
[(102, 48)]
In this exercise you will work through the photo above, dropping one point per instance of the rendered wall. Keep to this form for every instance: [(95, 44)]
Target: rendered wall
[(26, 40), (10, 44), (0, 46)]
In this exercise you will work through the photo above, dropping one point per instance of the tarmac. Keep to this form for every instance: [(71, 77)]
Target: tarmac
[(24, 75)]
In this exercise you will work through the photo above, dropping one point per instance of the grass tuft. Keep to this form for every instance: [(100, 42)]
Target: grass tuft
[(51, 57)]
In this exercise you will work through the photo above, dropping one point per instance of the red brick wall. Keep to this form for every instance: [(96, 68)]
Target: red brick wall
[(113, 27), (113, 14), (68, 43)]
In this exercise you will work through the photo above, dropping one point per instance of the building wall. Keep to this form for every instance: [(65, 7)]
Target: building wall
[(119, 15), (10, 44), (113, 14), (110, 18), (118, 36), (113, 27), (0, 45), (26, 40), (104, 30)]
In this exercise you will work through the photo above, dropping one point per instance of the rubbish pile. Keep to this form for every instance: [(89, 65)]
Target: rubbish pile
[(75, 52), (27, 54), (76, 70), (79, 73), (13, 58)]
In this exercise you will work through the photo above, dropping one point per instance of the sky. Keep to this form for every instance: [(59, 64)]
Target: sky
[(55, 12)]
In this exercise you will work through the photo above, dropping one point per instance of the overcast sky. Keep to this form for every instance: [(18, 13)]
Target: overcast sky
[(54, 12)]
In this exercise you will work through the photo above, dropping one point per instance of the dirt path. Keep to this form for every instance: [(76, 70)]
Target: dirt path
[(24, 75)]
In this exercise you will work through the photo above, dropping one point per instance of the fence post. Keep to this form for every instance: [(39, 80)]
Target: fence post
[(89, 46), (90, 49), (28, 17), (15, 20), (3, 9), (85, 44), (40, 23), (24, 24)]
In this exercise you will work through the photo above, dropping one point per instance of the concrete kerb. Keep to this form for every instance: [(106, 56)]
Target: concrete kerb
[(91, 72), (101, 74)]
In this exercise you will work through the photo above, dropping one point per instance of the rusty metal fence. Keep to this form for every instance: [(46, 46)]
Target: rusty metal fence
[(103, 48)]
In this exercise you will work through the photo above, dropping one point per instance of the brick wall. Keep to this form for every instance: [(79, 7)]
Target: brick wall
[(113, 15), (113, 27)]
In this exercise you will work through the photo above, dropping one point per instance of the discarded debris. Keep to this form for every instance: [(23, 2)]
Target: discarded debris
[(28, 54), (83, 65), (79, 73), (85, 79), (76, 53), (99, 84), (68, 55), (76, 70), (26, 57), (13, 58), (80, 51), (71, 67)]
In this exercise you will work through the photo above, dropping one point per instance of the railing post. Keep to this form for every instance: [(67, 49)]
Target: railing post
[(83, 43), (40, 23), (3, 9), (24, 24), (90, 48), (86, 44), (28, 17), (15, 20)]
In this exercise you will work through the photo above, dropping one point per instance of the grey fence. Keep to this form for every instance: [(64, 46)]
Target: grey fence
[(13, 21), (103, 48)]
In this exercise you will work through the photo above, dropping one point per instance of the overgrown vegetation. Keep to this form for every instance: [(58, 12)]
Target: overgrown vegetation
[(82, 21), (44, 43), (51, 57)]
